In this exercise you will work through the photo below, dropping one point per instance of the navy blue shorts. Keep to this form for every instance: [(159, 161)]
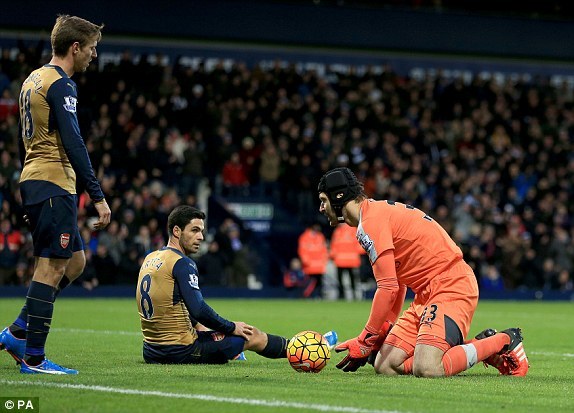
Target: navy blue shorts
[(54, 224), (209, 348)]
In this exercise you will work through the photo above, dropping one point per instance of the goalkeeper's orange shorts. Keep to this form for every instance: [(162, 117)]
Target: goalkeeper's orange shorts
[(441, 314)]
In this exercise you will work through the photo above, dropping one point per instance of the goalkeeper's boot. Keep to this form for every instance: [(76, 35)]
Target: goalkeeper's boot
[(14, 346), (45, 367), (332, 338), (495, 360), (489, 332), (514, 356)]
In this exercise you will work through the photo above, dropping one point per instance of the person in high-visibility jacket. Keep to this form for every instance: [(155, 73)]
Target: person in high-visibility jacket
[(312, 250), (346, 255)]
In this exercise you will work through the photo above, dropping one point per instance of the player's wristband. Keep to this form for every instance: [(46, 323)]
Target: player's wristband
[(101, 201)]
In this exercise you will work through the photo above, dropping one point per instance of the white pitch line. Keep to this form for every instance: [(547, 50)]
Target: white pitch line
[(202, 397), (91, 331), (547, 353)]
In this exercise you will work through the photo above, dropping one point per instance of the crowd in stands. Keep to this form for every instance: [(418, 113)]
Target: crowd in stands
[(492, 161)]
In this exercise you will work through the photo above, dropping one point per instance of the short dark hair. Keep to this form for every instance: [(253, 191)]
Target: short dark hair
[(71, 29), (181, 216)]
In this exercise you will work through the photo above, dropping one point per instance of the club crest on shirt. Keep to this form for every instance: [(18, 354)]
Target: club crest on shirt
[(70, 104), (216, 336), (193, 281), (64, 240)]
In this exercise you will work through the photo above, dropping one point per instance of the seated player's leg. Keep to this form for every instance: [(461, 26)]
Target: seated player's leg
[(267, 345), (216, 348), (332, 338), (210, 348)]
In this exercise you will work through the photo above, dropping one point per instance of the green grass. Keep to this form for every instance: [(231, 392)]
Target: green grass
[(100, 337)]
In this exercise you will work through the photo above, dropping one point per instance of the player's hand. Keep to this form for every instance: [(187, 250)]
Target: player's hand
[(243, 330), (104, 214), (359, 348)]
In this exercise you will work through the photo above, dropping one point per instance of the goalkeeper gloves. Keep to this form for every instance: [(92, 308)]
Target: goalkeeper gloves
[(362, 349)]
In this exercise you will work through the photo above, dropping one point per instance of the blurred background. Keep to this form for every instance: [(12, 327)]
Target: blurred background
[(463, 109)]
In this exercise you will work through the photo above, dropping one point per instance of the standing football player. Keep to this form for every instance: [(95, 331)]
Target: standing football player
[(407, 248), (172, 309), (53, 156)]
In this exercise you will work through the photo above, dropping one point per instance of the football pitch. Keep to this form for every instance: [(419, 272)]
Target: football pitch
[(101, 338)]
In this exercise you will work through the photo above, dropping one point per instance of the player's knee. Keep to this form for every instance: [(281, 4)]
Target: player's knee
[(385, 367), (76, 265), (385, 370), (257, 341), (428, 371)]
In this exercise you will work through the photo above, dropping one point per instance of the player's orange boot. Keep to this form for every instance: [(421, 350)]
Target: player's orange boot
[(514, 356)]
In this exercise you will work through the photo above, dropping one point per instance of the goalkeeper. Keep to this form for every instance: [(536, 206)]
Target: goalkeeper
[(407, 248)]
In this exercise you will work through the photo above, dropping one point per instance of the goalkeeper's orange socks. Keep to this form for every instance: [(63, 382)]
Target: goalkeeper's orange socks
[(463, 357), (408, 365)]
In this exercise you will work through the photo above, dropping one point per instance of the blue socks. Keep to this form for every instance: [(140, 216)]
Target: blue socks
[(18, 327), (40, 306)]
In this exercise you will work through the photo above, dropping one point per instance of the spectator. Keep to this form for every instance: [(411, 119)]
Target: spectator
[(11, 242), (193, 166), (249, 157), (294, 279), (240, 270), (269, 171), (114, 239), (211, 266), (104, 265), (312, 251), (143, 241), (490, 279), (129, 266), (235, 182), (345, 251), (564, 281), (434, 141)]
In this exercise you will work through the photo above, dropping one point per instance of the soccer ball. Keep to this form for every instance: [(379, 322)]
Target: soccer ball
[(308, 351)]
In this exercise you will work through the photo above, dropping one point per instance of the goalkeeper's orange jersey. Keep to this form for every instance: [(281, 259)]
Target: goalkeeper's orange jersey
[(422, 248)]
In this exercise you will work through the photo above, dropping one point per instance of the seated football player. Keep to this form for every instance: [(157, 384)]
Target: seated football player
[(170, 304)]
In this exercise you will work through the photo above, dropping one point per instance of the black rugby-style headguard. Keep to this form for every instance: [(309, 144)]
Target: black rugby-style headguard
[(341, 186)]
